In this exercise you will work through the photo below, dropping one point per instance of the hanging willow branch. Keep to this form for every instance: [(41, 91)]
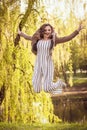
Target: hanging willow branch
[(24, 19)]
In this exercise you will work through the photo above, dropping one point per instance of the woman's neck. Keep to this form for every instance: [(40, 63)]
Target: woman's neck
[(46, 38)]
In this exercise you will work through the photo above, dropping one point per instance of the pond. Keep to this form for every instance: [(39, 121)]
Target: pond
[(71, 107)]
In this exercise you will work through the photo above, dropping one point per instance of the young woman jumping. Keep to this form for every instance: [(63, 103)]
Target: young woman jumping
[(43, 41)]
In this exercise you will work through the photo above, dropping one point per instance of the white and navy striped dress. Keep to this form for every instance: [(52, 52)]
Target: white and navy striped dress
[(44, 70)]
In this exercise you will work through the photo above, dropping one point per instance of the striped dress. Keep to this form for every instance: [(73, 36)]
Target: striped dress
[(44, 70)]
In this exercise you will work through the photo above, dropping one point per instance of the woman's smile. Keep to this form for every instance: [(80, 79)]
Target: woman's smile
[(47, 32)]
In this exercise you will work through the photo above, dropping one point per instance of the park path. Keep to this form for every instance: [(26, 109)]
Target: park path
[(76, 90)]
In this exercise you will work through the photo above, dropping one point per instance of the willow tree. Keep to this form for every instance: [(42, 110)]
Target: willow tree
[(5, 38), (18, 102)]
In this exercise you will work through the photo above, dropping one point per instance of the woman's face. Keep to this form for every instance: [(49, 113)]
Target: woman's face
[(47, 32)]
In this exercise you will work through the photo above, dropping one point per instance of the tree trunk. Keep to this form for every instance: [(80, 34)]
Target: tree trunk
[(64, 74), (2, 94), (23, 21)]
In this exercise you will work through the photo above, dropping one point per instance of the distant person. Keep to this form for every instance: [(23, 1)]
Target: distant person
[(43, 41)]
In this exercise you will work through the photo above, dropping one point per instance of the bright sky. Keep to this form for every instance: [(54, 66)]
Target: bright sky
[(63, 9), (60, 9)]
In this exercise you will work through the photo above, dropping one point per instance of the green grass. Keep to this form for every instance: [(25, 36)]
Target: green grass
[(59, 126), (80, 79)]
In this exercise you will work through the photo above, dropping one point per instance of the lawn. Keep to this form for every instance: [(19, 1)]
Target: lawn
[(80, 80), (59, 126)]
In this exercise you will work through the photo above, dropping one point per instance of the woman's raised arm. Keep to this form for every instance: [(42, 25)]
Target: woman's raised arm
[(69, 37), (27, 37)]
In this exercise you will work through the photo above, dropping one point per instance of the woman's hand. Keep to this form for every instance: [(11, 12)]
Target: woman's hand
[(19, 32), (80, 27)]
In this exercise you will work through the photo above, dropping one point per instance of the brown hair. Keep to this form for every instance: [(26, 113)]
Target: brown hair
[(39, 35)]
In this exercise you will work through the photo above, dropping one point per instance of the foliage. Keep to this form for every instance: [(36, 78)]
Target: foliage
[(19, 102)]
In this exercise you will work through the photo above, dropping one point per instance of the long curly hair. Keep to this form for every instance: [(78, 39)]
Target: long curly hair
[(39, 34)]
